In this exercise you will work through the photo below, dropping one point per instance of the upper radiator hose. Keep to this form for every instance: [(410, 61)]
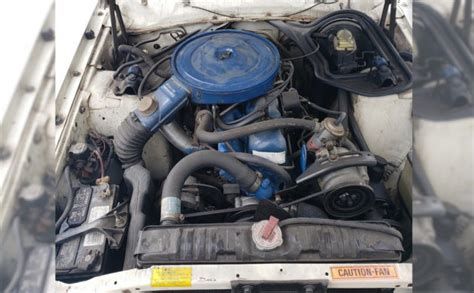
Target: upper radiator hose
[(247, 178)]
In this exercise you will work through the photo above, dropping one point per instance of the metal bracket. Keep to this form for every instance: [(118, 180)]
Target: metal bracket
[(113, 225), (288, 286), (346, 160), (130, 82)]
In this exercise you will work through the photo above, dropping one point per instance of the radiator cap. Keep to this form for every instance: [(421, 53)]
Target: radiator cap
[(266, 234)]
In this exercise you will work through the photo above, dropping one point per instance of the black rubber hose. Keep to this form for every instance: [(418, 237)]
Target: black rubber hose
[(176, 135), (208, 179), (255, 116), (150, 72), (142, 57), (115, 40), (129, 141), (360, 140), (341, 116), (170, 202), (70, 199), (138, 180), (266, 164), (343, 103), (126, 64), (127, 49), (204, 123), (406, 56)]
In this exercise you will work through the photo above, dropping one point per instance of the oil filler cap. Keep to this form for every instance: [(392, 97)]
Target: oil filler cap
[(226, 66)]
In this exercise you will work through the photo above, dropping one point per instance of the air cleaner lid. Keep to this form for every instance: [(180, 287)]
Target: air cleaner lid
[(226, 66)]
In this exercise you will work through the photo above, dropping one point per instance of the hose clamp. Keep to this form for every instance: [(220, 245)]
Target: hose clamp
[(317, 126), (256, 185), (170, 209)]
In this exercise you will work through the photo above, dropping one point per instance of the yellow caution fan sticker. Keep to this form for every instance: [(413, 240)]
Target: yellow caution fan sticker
[(364, 272), (171, 277)]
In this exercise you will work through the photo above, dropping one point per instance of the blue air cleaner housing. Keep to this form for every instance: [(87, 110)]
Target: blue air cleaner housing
[(226, 66), (220, 67)]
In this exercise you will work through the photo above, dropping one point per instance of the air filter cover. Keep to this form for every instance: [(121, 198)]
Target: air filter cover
[(226, 66)]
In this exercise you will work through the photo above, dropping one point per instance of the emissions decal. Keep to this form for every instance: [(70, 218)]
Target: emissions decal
[(171, 277)]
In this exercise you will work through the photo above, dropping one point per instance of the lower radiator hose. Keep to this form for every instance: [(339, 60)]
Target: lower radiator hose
[(139, 182)]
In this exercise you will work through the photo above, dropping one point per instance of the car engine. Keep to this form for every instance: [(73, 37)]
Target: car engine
[(238, 142)]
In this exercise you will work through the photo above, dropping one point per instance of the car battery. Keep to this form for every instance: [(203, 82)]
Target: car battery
[(86, 255)]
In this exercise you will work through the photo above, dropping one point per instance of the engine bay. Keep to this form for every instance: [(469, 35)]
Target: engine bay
[(238, 142)]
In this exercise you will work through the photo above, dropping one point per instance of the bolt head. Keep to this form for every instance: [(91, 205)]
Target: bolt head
[(47, 35), (90, 34), (59, 120)]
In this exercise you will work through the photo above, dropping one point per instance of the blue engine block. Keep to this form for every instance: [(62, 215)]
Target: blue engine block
[(269, 144)]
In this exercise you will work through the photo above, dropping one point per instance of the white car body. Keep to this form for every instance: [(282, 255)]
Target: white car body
[(80, 87)]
